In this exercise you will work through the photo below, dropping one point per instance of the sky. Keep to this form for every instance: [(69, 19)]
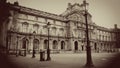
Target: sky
[(104, 13)]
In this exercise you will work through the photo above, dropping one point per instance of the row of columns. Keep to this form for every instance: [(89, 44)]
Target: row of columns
[(106, 47)]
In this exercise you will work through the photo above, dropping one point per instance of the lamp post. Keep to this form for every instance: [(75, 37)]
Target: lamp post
[(33, 53), (48, 49), (89, 62)]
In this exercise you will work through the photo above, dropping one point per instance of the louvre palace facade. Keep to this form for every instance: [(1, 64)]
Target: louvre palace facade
[(27, 27)]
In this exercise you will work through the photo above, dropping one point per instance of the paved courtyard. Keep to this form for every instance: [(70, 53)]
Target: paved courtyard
[(61, 60)]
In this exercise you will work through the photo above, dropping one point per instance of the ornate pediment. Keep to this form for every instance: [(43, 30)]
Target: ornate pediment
[(75, 17), (72, 8), (75, 12)]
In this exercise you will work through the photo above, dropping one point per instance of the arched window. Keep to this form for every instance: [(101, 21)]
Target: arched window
[(53, 31), (45, 44), (45, 30), (25, 27), (62, 45), (25, 44), (55, 44), (36, 43), (76, 45), (61, 31), (36, 27)]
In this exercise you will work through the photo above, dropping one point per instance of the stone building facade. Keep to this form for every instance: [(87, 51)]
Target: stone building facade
[(28, 27)]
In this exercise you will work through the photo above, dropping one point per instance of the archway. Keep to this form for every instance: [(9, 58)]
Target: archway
[(55, 44), (25, 44), (76, 45), (62, 45), (45, 44), (36, 44)]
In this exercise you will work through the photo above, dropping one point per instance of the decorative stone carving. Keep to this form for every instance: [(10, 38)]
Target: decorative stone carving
[(75, 17)]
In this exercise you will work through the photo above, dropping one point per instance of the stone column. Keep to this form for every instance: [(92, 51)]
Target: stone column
[(59, 45), (79, 45), (31, 44), (51, 44), (66, 44), (72, 45)]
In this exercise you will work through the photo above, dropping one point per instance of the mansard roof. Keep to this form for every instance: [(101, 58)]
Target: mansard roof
[(75, 8), (37, 12), (103, 28)]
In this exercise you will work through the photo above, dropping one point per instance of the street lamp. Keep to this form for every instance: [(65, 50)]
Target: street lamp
[(33, 53), (89, 62), (48, 49)]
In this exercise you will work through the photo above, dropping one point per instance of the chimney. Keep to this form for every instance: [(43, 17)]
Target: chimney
[(69, 6), (16, 3), (115, 26)]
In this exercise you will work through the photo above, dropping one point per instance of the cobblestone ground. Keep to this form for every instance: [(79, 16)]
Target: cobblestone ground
[(61, 60)]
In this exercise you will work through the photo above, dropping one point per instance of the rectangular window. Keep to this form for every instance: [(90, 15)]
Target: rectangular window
[(25, 28), (40, 19), (36, 27), (36, 18), (51, 21), (23, 16), (45, 30), (58, 23), (30, 17)]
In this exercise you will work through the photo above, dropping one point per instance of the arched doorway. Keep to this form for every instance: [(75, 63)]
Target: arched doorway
[(36, 44), (62, 45), (76, 45), (45, 44), (25, 44), (55, 44)]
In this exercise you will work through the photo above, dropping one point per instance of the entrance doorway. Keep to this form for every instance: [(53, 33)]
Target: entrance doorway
[(45, 44), (62, 45), (36, 45), (55, 44), (76, 45), (25, 44)]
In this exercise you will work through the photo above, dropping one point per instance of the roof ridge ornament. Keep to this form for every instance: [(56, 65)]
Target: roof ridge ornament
[(16, 3), (69, 6)]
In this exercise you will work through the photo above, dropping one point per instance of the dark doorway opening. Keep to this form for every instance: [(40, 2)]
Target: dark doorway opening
[(76, 45), (62, 45)]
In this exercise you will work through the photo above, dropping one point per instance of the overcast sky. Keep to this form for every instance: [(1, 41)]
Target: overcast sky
[(105, 13)]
